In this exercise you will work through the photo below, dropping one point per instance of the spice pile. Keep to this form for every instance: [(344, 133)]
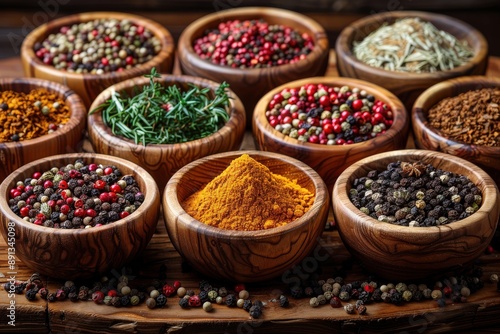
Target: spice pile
[(247, 196), (76, 196), (30, 115), (98, 46), (327, 115), (472, 117), (253, 44), (118, 292), (165, 114), (412, 45), (415, 194)]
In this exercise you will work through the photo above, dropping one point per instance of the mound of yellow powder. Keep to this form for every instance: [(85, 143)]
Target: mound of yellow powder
[(247, 196)]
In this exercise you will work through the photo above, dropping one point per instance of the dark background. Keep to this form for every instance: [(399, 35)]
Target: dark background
[(18, 17)]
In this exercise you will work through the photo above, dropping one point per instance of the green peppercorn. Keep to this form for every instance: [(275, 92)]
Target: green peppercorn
[(151, 302), (314, 302), (207, 306), (436, 294)]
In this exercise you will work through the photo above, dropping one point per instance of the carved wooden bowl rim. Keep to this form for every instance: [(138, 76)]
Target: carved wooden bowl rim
[(401, 117), (38, 34), (196, 29), (343, 185), (170, 198), (150, 191), (73, 101), (451, 88), (103, 132), (344, 41)]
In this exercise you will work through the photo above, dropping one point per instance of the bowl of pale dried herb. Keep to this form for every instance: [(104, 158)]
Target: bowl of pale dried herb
[(415, 214), (409, 51), (163, 122)]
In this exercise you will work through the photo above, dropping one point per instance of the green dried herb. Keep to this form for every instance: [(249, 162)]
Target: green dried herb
[(412, 45), (165, 114)]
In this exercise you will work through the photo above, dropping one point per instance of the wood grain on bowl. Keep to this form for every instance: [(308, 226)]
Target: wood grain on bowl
[(251, 84), (408, 253), (330, 160), (243, 256), (407, 86), (79, 253), (426, 137), (67, 139), (163, 160), (88, 86)]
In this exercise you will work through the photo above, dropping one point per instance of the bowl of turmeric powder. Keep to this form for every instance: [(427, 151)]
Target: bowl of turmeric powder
[(38, 118), (245, 216)]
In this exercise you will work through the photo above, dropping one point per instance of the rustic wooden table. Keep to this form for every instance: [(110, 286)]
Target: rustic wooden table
[(478, 315)]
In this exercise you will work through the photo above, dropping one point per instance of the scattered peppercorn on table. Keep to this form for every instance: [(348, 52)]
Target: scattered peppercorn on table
[(479, 314)]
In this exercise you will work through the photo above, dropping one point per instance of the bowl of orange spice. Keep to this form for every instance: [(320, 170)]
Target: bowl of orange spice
[(245, 216), (38, 118)]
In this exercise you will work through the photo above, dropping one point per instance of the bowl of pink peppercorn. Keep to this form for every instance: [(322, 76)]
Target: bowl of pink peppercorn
[(254, 49), (78, 215), (330, 123)]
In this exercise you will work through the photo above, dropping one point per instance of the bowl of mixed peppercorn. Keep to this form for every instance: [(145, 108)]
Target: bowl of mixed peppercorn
[(414, 214), (163, 122), (408, 51), (38, 118), (254, 49), (89, 52), (78, 215), (330, 123)]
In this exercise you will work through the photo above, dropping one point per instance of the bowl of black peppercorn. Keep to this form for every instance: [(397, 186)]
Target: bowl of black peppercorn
[(78, 215), (412, 214)]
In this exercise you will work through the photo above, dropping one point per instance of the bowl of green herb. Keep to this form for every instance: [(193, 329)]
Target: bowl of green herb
[(163, 122), (406, 52)]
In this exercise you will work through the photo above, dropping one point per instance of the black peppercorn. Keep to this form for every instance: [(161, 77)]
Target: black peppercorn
[(247, 304), (31, 294), (184, 302), (51, 297), (231, 300), (161, 300), (284, 301), (255, 311)]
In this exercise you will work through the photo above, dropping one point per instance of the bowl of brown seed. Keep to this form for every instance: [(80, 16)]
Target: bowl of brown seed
[(78, 215), (461, 117), (91, 51), (408, 51), (38, 118), (412, 214)]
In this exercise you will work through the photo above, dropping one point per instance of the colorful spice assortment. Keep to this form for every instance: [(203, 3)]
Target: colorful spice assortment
[(253, 44), (98, 46), (328, 115), (471, 117), (247, 196), (166, 114), (355, 296), (412, 45), (76, 196), (30, 115), (415, 194)]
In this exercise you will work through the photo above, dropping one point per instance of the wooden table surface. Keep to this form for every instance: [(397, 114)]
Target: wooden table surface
[(480, 314)]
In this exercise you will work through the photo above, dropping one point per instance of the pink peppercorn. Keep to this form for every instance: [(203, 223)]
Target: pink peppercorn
[(253, 44)]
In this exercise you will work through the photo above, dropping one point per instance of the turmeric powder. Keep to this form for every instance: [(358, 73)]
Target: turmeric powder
[(27, 116), (247, 196)]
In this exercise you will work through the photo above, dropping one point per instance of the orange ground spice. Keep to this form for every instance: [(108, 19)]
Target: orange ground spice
[(26, 116), (247, 196)]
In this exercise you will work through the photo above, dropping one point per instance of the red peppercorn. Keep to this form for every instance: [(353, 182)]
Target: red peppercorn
[(48, 184), (92, 167), (100, 184), (14, 192), (124, 214), (90, 213), (24, 211), (104, 197), (63, 184), (239, 287), (115, 188), (98, 297), (108, 170), (177, 284), (112, 293), (194, 301), (168, 290), (80, 212)]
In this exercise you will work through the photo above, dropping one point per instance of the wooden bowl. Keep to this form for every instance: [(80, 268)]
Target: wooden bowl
[(66, 139), (408, 253), (80, 253), (252, 83), (162, 161), (242, 256), (330, 160), (407, 86), (88, 86), (429, 138)]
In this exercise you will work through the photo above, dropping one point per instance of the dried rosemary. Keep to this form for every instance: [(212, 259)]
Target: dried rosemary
[(412, 45), (165, 114)]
